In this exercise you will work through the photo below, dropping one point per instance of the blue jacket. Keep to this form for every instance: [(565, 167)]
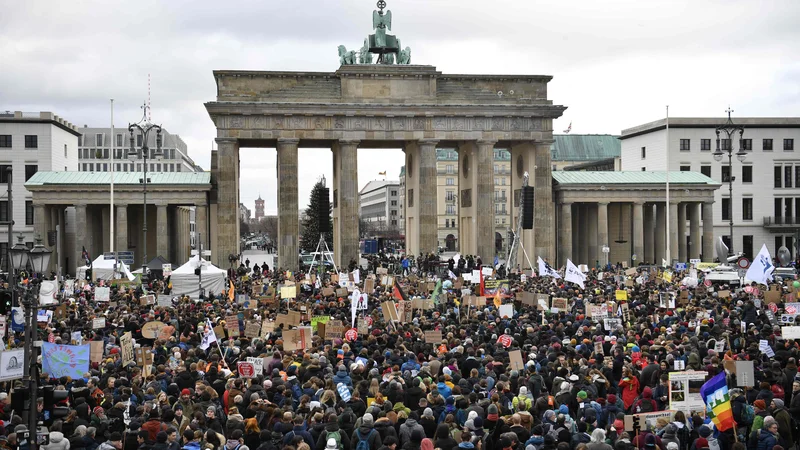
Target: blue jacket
[(342, 377), (444, 390)]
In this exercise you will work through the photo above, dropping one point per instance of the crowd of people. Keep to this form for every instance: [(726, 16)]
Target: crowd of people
[(576, 387)]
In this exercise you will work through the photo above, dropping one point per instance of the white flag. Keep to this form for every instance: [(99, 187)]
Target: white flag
[(574, 274), (761, 268), (451, 275), (663, 262), (354, 299), (209, 337), (545, 270)]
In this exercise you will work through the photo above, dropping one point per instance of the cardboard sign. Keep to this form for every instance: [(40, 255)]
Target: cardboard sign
[(433, 336), (267, 327), (295, 318), (150, 330), (252, 329), (724, 294), (282, 319), (246, 369), (341, 292), (506, 311), (232, 325), (598, 348), (102, 294), (99, 323), (96, 351), (542, 302), (389, 311), (772, 296), (381, 271), (327, 292), (559, 304), (144, 356), (288, 291), (369, 285), (516, 360), (258, 364), (297, 339), (334, 330), (631, 272), (363, 326), (621, 294)]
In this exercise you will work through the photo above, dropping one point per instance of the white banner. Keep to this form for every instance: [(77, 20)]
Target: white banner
[(11, 364), (574, 275)]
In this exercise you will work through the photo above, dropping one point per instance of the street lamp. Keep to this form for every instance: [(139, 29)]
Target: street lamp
[(144, 127), (730, 129), (39, 259)]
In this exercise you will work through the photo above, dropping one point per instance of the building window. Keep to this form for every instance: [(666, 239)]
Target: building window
[(3, 210), (4, 173), (686, 168), (394, 222), (644, 169), (5, 141), (178, 169), (31, 141), (139, 140), (726, 208), (705, 145), (706, 170), (119, 139), (747, 246), (747, 174), (766, 144), (685, 145), (91, 167), (747, 208), (644, 152), (30, 170), (726, 144), (777, 176), (117, 167), (98, 140), (450, 181), (747, 145), (450, 210), (797, 175), (788, 144), (393, 193), (65, 150), (449, 196), (449, 169), (410, 198), (394, 203), (28, 212), (726, 173), (787, 172)]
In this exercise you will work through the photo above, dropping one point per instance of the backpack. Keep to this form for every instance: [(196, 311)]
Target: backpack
[(645, 406), (748, 414), (777, 391), (363, 444), (521, 403), (551, 431), (336, 437)]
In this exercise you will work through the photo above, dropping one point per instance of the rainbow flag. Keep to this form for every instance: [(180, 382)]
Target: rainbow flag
[(718, 402)]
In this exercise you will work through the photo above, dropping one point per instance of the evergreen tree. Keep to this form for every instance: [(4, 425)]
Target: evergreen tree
[(310, 226)]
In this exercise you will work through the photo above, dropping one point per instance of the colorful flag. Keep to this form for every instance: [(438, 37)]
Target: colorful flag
[(498, 299), (231, 291), (718, 403), (398, 293), (65, 360), (437, 291)]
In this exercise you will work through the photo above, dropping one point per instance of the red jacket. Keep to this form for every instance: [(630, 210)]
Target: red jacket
[(630, 390), (152, 427)]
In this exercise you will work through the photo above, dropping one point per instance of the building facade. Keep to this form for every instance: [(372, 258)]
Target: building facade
[(379, 206), (31, 142), (766, 185), (244, 213), (95, 155)]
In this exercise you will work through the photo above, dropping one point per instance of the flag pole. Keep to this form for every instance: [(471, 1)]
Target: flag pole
[(669, 256), (111, 206)]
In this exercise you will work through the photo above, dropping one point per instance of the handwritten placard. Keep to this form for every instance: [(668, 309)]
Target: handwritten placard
[(433, 336)]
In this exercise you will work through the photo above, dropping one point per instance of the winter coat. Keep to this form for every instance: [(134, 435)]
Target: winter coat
[(57, 442), (374, 439), (407, 428), (766, 440), (332, 427), (630, 390)]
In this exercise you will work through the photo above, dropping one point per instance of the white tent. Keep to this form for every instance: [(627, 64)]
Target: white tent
[(103, 269), (185, 282)]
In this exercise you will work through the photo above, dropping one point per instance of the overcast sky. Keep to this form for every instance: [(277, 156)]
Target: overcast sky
[(615, 63)]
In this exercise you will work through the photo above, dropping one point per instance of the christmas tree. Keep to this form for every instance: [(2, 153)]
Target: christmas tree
[(310, 227)]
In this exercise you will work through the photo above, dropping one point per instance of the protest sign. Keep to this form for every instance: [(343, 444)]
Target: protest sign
[(258, 364), (684, 391), (252, 330), (559, 304), (65, 360), (745, 374), (621, 294), (542, 302), (96, 351), (267, 327), (792, 332), (516, 360), (297, 339), (232, 326), (334, 330), (102, 294), (433, 336), (389, 311), (150, 330), (363, 326), (98, 323), (246, 369), (126, 348), (506, 311), (288, 291)]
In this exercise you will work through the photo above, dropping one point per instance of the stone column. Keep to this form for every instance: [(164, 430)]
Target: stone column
[(288, 212), (162, 232), (484, 206), (40, 219), (543, 205), (346, 186), (591, 224), (661, 234), (227, 231), (106, 215), (428, 220), (578, 234), (638, 230), (693, 210), (566, 233), (121, 231), (649, 249), (201, 226), (81, 234), (673, 231), (682, 232), (523, 159), (708, 230), (602, 229)]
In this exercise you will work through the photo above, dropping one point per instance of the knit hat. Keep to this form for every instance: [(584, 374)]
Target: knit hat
[(704, 431), (427, 413), (331, 445), (760, 404), (367, 420), (523, 390), (115, 437), (672, 446), (582, 395), (492, 409), (470, 425), (186, 392), (650, 441), (611, 399)]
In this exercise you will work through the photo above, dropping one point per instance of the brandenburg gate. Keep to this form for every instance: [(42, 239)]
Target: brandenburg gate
[(385, 105)]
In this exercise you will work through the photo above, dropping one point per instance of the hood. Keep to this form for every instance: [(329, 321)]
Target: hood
[(56, 437), (466, 445), (331, 426), (647, 393), (411, 423)]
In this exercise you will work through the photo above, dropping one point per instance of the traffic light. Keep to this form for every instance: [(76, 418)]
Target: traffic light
[(54, 402), (5, 301)]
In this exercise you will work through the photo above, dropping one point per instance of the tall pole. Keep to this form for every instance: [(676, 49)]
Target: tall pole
[(730, 196), (111, 212), (145, 151), (10, 216), (669, 256)]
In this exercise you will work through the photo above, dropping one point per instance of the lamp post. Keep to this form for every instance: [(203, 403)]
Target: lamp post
[(730, 129), (144, 128), (38, 258)]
